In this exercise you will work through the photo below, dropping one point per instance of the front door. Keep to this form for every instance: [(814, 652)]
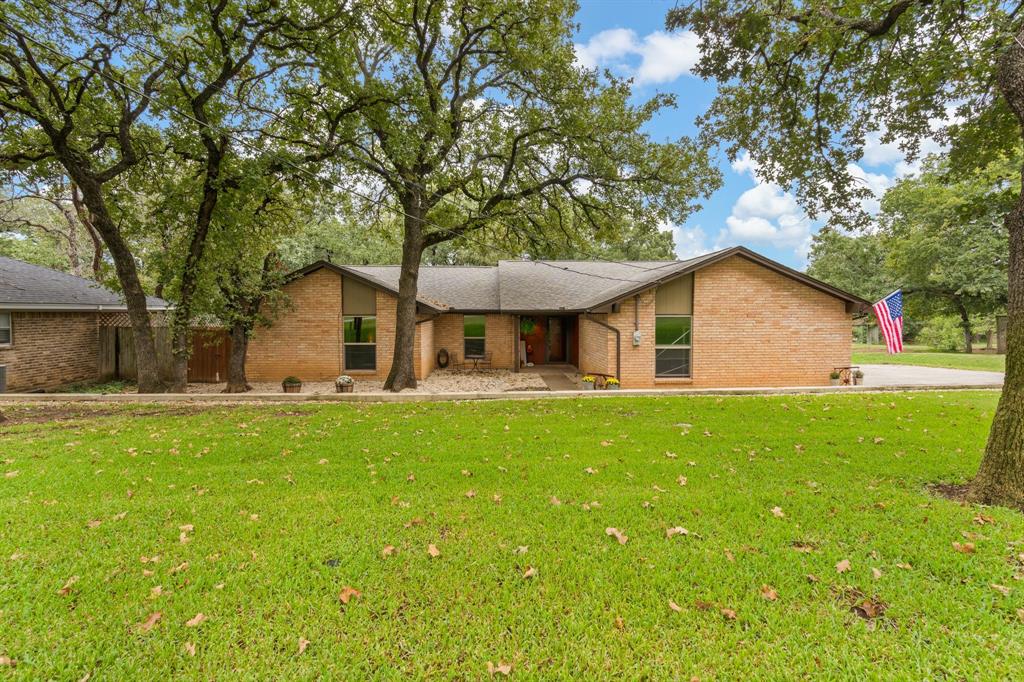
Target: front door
[(533, 331), (556, 339)]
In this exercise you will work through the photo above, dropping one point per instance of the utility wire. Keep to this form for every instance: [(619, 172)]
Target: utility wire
[(299, 169)]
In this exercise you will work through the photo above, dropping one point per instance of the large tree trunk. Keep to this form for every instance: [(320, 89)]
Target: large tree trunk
[(190, 270), (237, 382), (149, 379), (403, 372), (965, 325), (1000, 478)]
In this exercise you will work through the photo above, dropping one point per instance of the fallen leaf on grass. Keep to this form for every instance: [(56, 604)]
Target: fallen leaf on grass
[(876, 574), (617, 534), (982, 519), (348, 594), (413, 522), (591, 470), (768, 592), (964, 547), (7, 661), (433, 551), (803, 547), (674, 606), (530, 572), (195, 620), (501, 669), (322, 461), (681, 480), (811, 578), (151, 621), (190, 648), (1001, 589), (728, 614), (555, 501), (10, 474), (303, 643), (470, 493), (843, 566), (183, 566), (410, 478), (389, 550), (521, 549), (605, 443), (156, 591), (496, 498), (66, 590), (620, 624), (95, 523), (778, 513), (678, 530)]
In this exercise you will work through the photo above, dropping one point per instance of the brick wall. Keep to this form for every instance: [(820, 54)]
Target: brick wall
[(425, 356), (448, 333), (751, 327), (305, 339), (500, 340), (51, 349), (499, 337), (594, 343), (637, 370), (755, 327)]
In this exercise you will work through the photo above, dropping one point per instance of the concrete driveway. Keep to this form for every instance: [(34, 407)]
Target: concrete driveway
[(911, 375)]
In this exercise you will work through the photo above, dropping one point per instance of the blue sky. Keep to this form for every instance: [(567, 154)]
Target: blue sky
[(629, 38)]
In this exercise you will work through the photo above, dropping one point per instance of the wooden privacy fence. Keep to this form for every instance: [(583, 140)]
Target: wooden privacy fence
[(207, 364)]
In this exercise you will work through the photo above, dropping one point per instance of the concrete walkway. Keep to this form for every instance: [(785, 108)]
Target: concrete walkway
[(880, 376)]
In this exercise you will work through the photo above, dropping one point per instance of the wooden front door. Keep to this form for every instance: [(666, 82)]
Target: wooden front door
[(535, 340), (556, 339)]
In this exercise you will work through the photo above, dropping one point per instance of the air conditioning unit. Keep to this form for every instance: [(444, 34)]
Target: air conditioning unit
[(3, 378)]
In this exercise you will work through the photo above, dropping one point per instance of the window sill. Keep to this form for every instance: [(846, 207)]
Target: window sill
[(673, 380), (363, 372)]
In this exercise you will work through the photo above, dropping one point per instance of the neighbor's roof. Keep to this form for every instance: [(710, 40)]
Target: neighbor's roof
[(521, 286), (24, 286)]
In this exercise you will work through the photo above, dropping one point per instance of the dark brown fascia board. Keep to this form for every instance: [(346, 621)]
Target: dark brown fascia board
[(852, 300), (346, 272)]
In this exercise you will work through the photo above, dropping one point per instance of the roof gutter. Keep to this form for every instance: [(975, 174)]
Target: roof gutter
[(618, 341)]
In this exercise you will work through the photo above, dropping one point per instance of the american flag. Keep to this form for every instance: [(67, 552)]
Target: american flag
[(890, 320)]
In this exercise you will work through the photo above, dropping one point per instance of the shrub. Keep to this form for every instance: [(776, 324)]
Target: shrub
[(291, 381), (942, 334)]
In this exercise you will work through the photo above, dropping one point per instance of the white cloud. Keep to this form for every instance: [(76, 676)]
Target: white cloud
[(607, 45), (658, 57), (689, 241)]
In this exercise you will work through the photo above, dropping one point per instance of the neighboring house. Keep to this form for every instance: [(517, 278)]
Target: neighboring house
[(730, 318), (50, 325)]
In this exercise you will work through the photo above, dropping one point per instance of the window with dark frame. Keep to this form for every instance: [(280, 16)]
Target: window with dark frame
[(6, 335), (474, 330), (672, 345), (360, 342)]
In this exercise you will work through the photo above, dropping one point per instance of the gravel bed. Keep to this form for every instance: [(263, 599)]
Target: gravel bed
[(440, 381)]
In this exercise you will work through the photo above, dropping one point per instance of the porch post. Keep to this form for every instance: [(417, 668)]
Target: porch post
[(515, 342)]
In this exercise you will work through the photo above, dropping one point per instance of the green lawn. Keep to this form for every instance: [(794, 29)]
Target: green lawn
[(259, 518), (918, 355)]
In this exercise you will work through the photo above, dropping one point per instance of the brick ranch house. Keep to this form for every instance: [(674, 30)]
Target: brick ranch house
[(50, 325), (731, 318)]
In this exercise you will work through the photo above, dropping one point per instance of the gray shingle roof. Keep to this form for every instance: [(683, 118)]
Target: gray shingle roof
[(23, 285), (518, 286), (460, 288)]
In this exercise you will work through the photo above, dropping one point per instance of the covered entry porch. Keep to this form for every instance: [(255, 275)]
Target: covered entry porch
[(548, 340)]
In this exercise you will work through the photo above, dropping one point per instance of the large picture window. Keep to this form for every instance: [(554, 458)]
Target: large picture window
[(5, 329), (360, 342), (474, 329), (672, 345)]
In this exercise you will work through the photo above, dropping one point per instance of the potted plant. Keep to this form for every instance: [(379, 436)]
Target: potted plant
[(612, 384), (858, 378), (833, 377), (588, 382), (344, 384), (292, 385)]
